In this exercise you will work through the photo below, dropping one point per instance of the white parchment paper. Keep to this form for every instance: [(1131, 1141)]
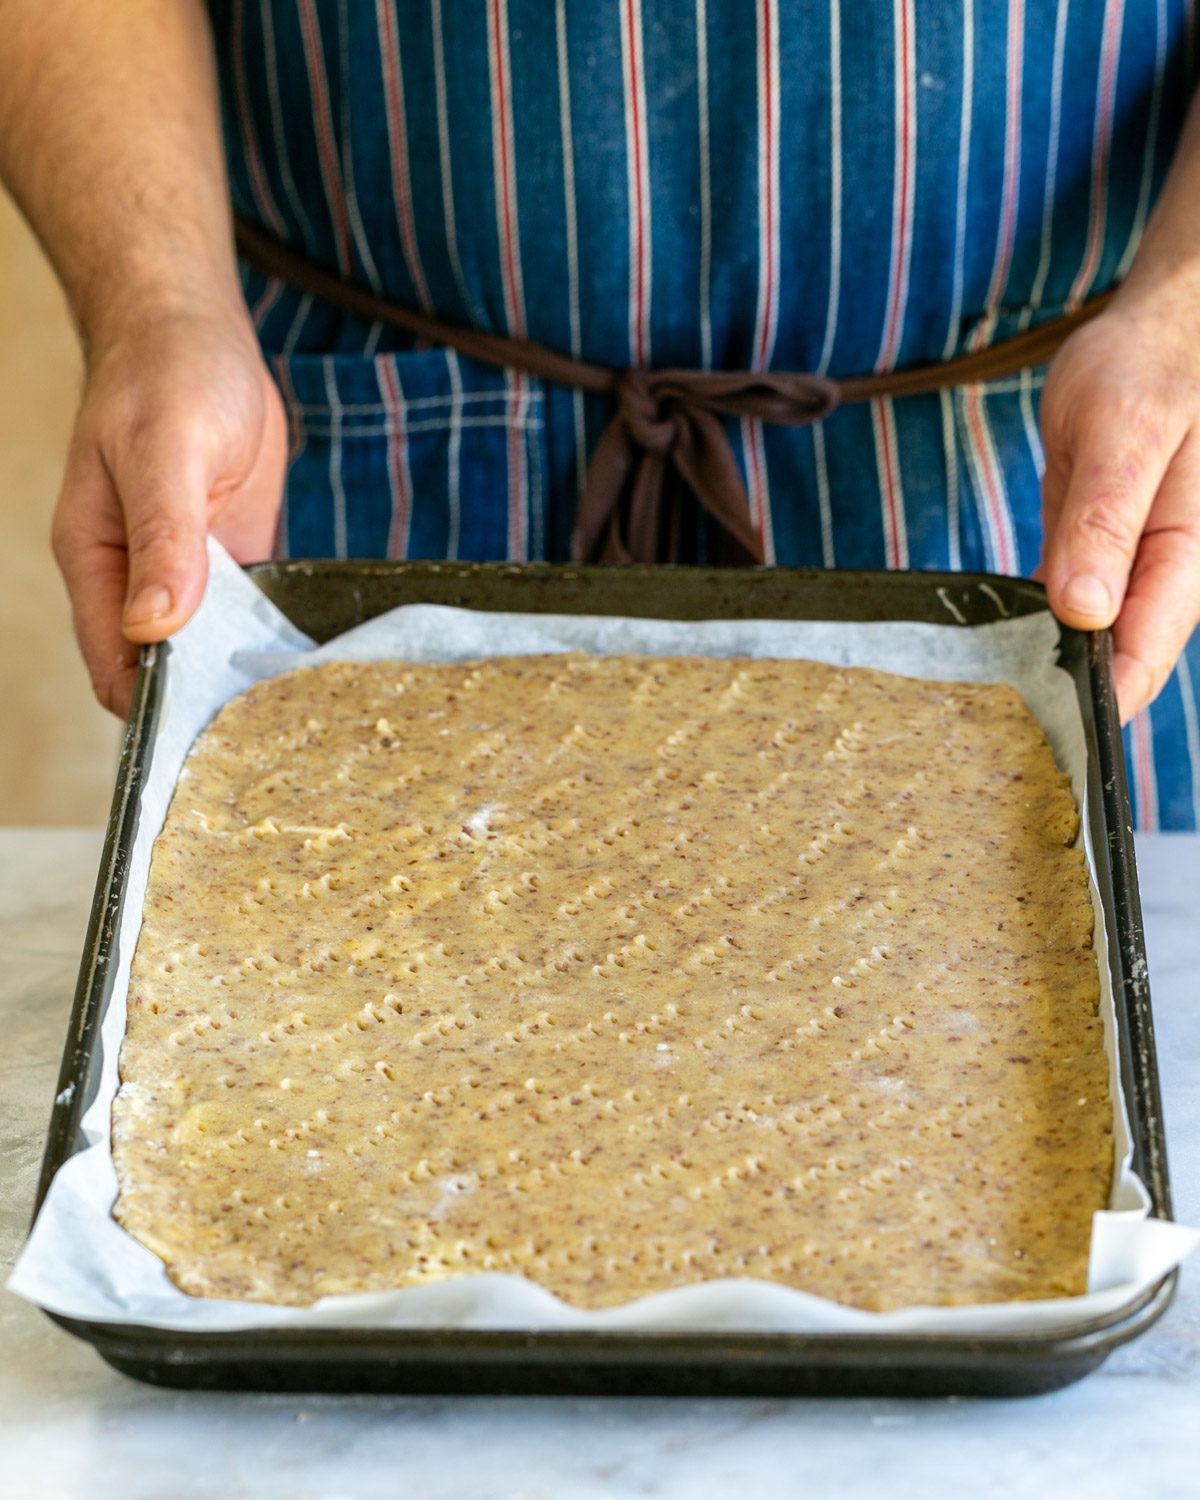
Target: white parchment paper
[(79, 1262)]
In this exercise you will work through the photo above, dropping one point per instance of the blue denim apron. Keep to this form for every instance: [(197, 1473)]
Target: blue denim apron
[(777, 184)]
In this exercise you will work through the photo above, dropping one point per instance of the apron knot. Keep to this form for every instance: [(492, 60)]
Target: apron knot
[(667, 437), (650, 416)]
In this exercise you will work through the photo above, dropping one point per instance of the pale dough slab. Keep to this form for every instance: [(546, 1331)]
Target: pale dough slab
[(619, 973)]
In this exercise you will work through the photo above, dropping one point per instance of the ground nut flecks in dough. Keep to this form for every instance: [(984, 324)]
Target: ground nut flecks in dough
[(618, 973)]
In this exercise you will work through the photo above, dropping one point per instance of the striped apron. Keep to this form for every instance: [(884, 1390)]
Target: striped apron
[(784, 184)]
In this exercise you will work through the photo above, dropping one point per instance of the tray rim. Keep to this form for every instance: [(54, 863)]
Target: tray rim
[(1058, 1356)]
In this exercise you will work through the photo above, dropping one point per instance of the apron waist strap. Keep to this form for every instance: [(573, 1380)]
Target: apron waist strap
[(666, 421)]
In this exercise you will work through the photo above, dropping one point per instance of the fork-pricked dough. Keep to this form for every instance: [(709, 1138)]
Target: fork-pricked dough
[(618, 973)]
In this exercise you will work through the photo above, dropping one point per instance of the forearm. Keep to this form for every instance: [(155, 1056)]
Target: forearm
[(110, 142), (1168, 259)]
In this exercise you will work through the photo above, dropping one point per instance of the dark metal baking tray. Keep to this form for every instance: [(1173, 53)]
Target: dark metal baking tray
[(325, 598)]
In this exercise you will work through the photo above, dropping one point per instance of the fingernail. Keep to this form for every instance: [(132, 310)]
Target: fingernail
[(151, 604), (1086, 594)]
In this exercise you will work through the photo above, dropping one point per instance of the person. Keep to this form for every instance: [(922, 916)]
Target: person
[(785, 185)]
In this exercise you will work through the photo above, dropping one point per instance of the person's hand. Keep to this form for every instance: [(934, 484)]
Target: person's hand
[(1121, 497), (181, 431)]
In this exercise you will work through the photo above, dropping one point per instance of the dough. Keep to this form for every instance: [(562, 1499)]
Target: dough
[(617, 973)]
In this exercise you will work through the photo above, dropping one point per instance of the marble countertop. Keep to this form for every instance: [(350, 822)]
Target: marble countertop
[(72, 1428)]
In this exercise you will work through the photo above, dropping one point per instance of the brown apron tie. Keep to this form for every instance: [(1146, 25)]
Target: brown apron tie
[(667, 428), (672, 417)]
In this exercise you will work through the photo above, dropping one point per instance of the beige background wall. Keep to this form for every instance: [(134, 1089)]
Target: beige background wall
[(57, 748)]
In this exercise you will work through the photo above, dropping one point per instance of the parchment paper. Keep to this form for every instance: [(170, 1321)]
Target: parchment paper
[(79, 1262)]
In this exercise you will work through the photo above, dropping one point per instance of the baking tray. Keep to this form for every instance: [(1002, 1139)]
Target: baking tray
[(326, 598)]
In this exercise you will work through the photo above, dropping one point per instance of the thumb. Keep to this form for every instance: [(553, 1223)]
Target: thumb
[(164, 497)]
